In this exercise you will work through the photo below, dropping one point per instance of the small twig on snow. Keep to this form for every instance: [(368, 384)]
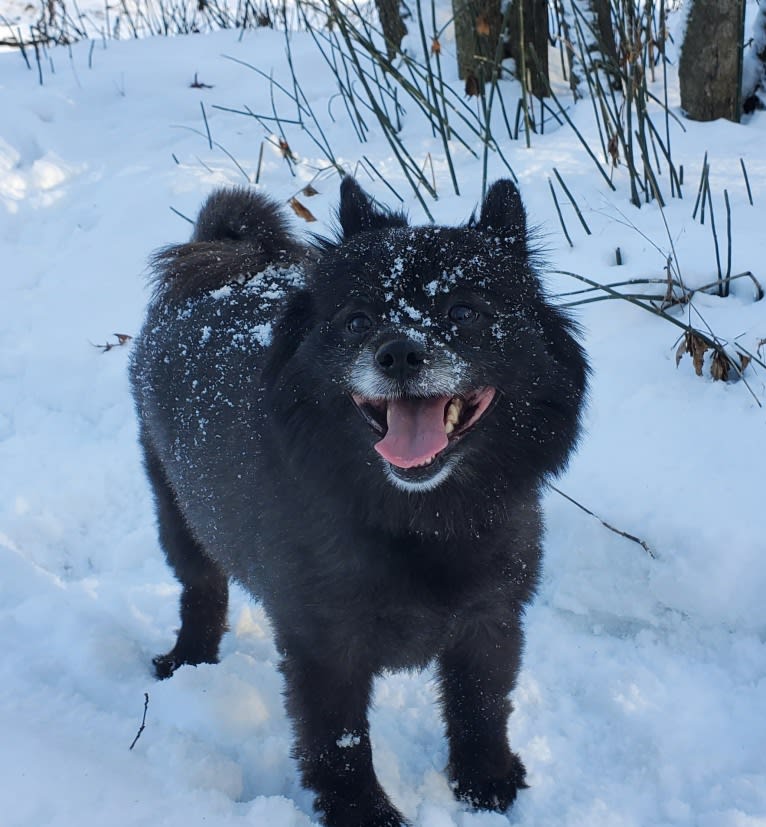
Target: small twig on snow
[(644, 545), (143, 720), (122, 340)]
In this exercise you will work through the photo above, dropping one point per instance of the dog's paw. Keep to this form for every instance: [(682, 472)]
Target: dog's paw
[(166, 665), (377, 811), (488, 792)]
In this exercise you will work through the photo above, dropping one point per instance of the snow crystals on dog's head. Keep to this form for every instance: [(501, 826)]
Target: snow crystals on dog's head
[(439, 337), (413, 275), (503, 214), (421, 315)]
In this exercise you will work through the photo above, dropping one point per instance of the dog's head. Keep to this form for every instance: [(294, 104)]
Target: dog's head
[(426, 357)]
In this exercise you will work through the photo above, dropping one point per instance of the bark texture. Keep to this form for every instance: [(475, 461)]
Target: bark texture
[(477, 34), (392, 25), (479, 27), (528, 24), (603, 19), (710, 69)]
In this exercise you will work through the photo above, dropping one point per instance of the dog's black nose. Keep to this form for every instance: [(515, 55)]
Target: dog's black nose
[(400, 358)]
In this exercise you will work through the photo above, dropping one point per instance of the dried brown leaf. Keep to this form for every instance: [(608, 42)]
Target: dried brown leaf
[(613, 148), (284, 148), (695, 347), (308, 191), (482, 26), (744, 361), (471, 86), (436, 46), (719, 366), (301, 211)]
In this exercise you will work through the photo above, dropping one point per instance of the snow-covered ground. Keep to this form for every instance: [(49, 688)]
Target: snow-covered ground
[(642, 700)]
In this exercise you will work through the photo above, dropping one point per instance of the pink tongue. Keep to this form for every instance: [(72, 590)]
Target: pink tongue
[(415, 431)]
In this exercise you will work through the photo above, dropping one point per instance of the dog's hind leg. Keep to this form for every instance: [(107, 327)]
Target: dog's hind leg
[(476, 674), (205, 594)]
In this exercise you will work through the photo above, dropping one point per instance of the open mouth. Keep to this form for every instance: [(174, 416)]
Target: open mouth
[(417, 432)]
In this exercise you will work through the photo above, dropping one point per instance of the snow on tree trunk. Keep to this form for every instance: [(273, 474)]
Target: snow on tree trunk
[(754, 81), (710, 69)]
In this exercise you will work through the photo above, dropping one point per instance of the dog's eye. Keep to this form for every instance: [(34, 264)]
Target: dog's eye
[(462, 314), (358, 323)]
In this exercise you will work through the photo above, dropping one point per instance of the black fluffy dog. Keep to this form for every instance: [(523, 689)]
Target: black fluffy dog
[(358, 432)]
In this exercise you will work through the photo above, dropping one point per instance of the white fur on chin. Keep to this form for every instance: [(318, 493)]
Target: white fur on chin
[(421, 486)]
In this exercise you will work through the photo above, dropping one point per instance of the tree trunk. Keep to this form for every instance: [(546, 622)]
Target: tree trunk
[(392, 25), (605, 29), (478, 29), (533, 16), (477, 34), (710, 69)]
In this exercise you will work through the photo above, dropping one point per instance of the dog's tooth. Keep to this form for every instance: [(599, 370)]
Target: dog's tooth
[(453, 414), (449, 426)]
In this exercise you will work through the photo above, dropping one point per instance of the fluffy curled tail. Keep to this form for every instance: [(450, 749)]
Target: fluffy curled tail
[(238, 233), (239, 214)]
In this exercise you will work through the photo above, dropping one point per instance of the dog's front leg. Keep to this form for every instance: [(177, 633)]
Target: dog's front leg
[(328, 707), (477, 672)]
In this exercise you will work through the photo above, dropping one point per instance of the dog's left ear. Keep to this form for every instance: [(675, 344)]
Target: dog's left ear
[(502, 212), (357, 212)]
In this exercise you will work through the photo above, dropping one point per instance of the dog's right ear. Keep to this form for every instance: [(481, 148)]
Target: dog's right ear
[(503, 213), (357, 212), (289, 331)]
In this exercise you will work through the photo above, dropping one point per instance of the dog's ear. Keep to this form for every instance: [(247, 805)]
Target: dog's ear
[(502, 212), (358, 213), (290, 330)]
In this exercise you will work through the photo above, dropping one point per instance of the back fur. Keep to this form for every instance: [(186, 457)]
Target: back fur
[(238, 234)]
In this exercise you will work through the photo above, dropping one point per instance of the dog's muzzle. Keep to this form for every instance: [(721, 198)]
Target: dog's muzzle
[(417, 430)]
